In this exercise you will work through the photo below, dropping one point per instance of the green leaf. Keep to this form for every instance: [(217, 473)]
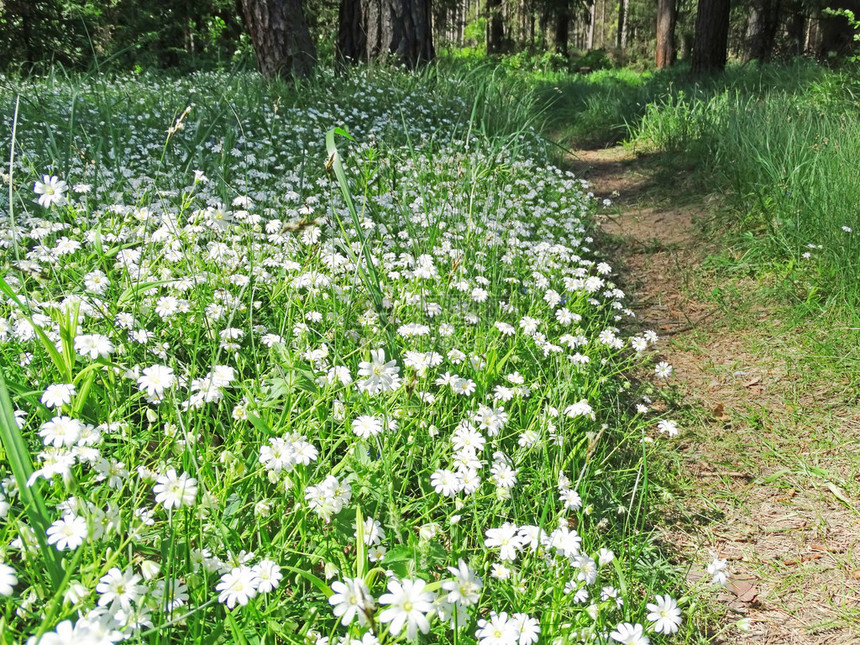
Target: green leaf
[(307, 575), (367, 270), (278, 388), (260, 425), (134, 289), (306, 382), (286, 630), (234, 503), (401, 560), (97, 242), (68, 324), (434, 555), (83, 393), (234, 627), (360, 549)]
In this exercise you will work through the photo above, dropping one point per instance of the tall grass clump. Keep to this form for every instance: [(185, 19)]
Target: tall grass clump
[(609, 106), (594, 110), (282, 386), (784, 150)]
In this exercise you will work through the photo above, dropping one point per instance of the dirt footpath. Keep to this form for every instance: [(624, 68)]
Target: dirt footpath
[(767, 466)]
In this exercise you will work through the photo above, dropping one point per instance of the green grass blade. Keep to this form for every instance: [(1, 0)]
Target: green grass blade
[(31, 498), (368, 272), (307, 575), (360, 548)]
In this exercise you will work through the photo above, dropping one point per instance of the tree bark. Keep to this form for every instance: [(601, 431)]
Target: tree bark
[(281, 39), (686, 45), (440, 21), (621, 42), (796, 31), (351, 45), (755, 32), (813, 33), (712, 35), (376, 29), (461, 22), (592, 16), (562, 28), (761, 30), (495, 27), (412, 44), (665, 33)]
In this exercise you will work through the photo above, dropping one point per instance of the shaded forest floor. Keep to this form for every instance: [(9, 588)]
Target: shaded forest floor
[(765, 471)]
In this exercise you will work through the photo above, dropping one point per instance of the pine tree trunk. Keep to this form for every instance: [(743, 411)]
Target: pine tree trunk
[(796, 32), (761, 30), (562, 28), (603, 24), (665, 33), (592, 17), (378, 29), (281, 39), (532, 20), (621, 42), (464, 11), (442, 25), (351, 36), (755, 30), (813, 33), (687, 40), (712, 35), (412, 44), (495, 27)]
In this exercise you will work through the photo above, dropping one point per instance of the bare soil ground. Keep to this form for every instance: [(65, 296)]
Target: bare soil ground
[(766, 472)]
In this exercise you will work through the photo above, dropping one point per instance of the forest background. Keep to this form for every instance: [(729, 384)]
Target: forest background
[(552, 35)]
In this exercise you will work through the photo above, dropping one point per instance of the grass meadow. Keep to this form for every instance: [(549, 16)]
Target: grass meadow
[(327, 364)]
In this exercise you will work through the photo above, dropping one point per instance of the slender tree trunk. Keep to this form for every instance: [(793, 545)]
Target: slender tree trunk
[(532, 21), (281, 39), (813, 40), (495, 27), (592, 15), (441, 25), (543, 24), (687, 41), (665, 33), (603, 23), (796, 29), (755, 30), (712, 35), (621, 42), (562, 28)]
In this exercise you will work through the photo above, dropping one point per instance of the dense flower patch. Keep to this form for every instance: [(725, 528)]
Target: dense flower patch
[(254, 413)]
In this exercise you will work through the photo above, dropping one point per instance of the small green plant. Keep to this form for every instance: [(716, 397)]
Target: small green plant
[(476, 32)]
